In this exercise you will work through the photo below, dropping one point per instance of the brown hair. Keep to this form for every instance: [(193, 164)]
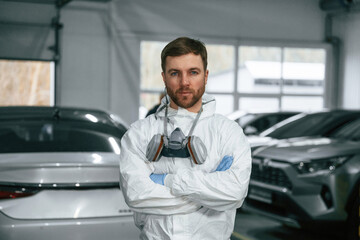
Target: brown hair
[(182, 46)]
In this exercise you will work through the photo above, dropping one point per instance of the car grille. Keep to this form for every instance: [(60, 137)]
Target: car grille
[(270, 175)]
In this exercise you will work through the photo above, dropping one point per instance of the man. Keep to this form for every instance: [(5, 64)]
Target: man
[(185, 187)]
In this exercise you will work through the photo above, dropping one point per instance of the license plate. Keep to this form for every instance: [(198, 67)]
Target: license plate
[(260, 195)]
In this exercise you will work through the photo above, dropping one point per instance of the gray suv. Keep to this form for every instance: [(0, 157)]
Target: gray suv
[(310, 182)]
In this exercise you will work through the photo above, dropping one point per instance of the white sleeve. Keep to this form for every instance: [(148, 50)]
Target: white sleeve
[(140, 192), (218, 190)]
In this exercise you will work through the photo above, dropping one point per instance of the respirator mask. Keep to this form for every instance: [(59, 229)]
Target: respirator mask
[(177, 145)]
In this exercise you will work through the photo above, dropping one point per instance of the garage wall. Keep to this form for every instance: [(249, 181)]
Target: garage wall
[(347, 28), (84, 78), (262, 19), (25, 30), (100, 42)]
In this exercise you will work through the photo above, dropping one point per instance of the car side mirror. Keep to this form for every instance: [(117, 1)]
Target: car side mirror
[(250, 130)]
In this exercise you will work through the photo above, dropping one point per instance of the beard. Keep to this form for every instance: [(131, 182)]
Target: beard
[(186, 101)]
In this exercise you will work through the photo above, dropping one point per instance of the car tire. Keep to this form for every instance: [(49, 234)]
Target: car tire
[(353, 222)]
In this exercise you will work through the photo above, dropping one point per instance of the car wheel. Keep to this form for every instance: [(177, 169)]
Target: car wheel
[(353, 221)]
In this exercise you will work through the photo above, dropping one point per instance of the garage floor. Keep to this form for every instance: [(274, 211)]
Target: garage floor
[(254, 227)]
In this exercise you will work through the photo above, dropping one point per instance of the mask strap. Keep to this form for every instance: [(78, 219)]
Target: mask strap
[(195, 121), (166, 114), (165, 121), (166, 118)]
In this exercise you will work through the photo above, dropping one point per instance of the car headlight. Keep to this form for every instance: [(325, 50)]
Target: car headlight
[(328, 164)]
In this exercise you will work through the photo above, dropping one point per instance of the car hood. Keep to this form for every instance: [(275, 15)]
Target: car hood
[(305, 148), (68, 169)]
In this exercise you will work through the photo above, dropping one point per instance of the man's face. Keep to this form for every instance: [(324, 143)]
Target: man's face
[(185, 81)]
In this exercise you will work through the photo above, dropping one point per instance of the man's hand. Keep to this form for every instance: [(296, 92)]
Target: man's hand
[(158, 178), (225, 163)]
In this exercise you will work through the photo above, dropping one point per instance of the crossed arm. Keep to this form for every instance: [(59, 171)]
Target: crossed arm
[(223, 166)]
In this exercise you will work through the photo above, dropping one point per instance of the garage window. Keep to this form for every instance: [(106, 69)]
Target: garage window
[(291, 78), (279, 77)]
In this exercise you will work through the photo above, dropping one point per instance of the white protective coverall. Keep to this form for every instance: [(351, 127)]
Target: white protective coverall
[(196, 202)]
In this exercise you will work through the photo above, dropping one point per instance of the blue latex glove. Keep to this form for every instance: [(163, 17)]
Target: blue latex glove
[(225, 163), (158, 178)]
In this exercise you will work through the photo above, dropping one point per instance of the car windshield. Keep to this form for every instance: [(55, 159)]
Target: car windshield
[(318, 124), (350, 131), (58, 136)]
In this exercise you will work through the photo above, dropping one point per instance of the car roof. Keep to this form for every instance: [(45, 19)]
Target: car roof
[(237, 114), (69, 113), (333, 112)]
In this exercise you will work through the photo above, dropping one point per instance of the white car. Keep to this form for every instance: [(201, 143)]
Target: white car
[(254, 123), (59, 175), (320, 123)]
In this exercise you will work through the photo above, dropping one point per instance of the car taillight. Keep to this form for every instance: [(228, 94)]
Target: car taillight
[(11, 193)]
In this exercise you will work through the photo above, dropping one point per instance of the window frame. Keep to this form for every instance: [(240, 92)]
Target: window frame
[(328, 79)]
